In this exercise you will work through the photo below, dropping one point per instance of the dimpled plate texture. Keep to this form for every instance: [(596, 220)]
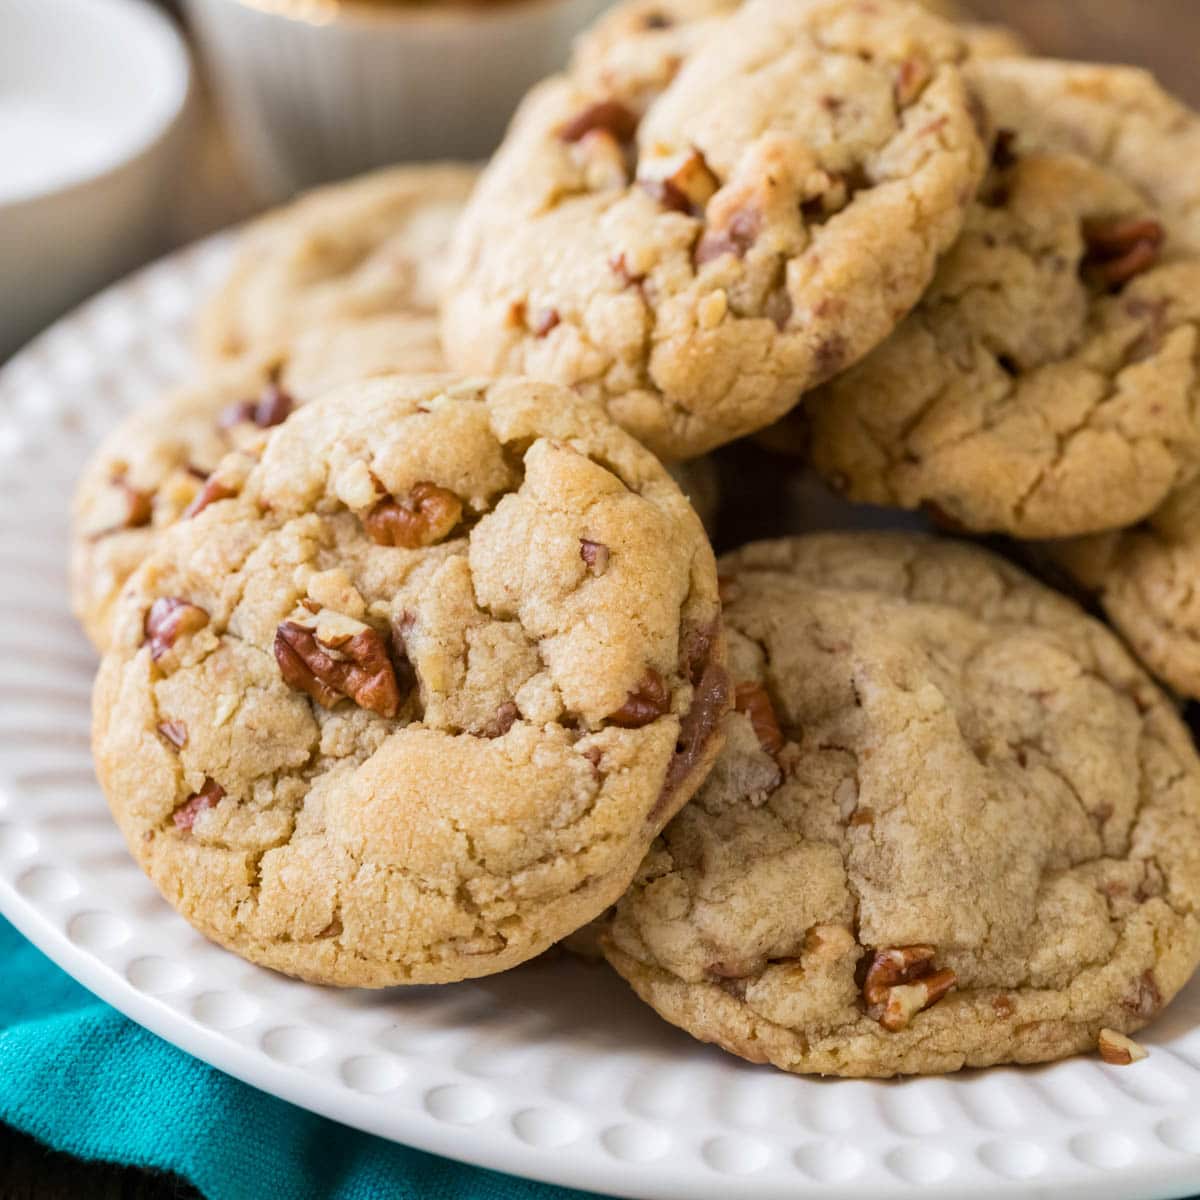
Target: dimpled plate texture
[(553, 1071)]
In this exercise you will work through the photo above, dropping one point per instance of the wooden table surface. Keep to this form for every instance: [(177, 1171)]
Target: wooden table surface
[(1161, 34)]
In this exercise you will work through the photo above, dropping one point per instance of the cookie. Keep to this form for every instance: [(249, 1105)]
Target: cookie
[(1114, 115), (693, 230), (1046, 385), (411, 706), (953, 824), (1145, 581), (373, 246), (672, 26), (149, 469)]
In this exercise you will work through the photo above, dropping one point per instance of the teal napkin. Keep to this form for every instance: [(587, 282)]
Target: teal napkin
[(83, 1079)]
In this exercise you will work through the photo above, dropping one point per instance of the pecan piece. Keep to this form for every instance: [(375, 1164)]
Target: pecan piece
[(139, 505), (683, 184), (735, 237), (595, 554), (209, 796), (752, 700), (425, 516), (343, 667), (1118, 1050), (1119, 249), (170, 617), (272, 407), (911, 77), (503, 721), (212, 491), (648, 701), (901, 982), (1144, 999), (607, 116), (546, 321), (174, 733)]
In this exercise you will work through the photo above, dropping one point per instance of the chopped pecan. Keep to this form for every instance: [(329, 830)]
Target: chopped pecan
[(546, 321), (666, 194), (1121, 248), (139, 505), (209, 796), (1144, 998), (648, 701), (901, 982), (607, 116), (272, 407), (682, 183), (1118, 1050), (1003, 1007), (212, 491), (425, 516), (168, 618), (911, 77), (503, 721), (735, 237), (344, 667), (620, 264), (595, 554), (752, 700), (174, 732)]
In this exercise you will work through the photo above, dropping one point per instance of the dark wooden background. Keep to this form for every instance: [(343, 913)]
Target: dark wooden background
[(1162, 34)]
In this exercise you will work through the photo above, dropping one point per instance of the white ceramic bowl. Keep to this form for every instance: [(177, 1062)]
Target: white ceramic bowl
[(320, 89), (92, 94)]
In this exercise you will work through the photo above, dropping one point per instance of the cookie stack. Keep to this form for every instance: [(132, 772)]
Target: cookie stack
[(408, 676)]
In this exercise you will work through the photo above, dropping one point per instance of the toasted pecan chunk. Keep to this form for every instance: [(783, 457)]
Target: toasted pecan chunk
[(422, 518), (753, 700), (648, 701), (209, 796), (169, 618), (356, 668)]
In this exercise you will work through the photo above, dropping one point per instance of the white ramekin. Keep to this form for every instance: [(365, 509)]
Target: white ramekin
[(70, 223), (316, 90)]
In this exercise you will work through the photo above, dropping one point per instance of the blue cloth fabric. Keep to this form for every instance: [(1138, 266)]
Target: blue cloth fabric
[(83, 1079)]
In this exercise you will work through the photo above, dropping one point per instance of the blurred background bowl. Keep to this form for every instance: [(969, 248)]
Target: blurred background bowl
[(315, 90), (93, 94)]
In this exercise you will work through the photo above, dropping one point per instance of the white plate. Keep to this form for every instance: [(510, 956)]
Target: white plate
[(553, 1071)]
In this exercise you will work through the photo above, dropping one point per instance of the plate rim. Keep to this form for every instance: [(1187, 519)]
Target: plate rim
[(474, 1145)]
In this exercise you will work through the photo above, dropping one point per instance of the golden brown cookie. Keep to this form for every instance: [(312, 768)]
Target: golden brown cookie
[(695, 225), (148, 470), (954, 824), (1046, 385), (410, 704), (372, 246), (1146, 581)]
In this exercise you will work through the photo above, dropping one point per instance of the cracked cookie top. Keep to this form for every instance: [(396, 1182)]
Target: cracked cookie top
[(154, 464), (372, 246), (697, 224), (1046, 384), (953, 824), (413, 703), (1117, 116), (1145, 580)]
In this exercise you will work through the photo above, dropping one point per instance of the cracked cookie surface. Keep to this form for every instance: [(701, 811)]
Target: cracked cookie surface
[(954, 824), (372, 246), (695, 225), (1114, 115), (1145, 579), (412, 705), (1047, 384), (147, 471)]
